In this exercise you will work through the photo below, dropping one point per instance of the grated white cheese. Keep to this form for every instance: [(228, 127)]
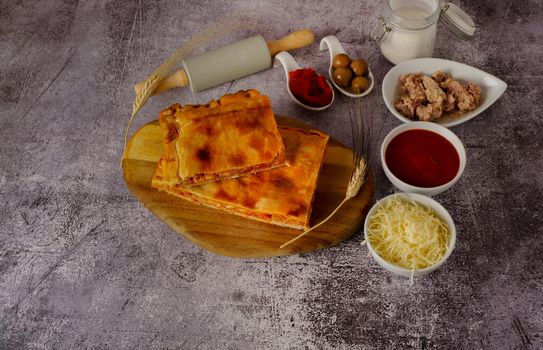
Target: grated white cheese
[(408, 234)]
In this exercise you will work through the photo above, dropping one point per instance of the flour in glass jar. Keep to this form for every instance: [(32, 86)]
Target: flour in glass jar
[(403, 44)]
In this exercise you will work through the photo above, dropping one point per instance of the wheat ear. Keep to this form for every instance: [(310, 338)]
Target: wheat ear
[(364, 133), (355, 183)]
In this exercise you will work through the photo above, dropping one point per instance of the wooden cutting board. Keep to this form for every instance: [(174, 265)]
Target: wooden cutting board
[(231, 235)]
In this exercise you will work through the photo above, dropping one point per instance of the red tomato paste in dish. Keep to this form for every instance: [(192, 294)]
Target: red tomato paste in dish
[(422, 158), (309, 87)]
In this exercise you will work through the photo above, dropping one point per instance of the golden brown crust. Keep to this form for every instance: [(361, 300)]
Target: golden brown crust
[(282, 196), (234, 136)]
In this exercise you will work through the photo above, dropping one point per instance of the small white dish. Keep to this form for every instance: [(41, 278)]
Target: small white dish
[(428, 202), (438, 129), (332, 44), (491, 87), (289, 65)]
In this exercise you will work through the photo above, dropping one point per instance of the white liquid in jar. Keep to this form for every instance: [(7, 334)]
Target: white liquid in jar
[(404, 44)]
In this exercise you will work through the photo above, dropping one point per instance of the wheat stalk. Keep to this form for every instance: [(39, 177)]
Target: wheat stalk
[(205, 37), (363, 135)]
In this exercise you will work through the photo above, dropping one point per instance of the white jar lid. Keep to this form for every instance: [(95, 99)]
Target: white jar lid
[(459, 22)]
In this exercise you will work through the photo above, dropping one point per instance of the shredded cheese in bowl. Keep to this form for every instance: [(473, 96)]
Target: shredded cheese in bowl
[(408, 234)]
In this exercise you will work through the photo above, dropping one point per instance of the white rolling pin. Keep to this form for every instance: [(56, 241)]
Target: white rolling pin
[(230, 62)]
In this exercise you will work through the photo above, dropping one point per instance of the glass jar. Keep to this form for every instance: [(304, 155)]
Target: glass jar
[(407, 28)]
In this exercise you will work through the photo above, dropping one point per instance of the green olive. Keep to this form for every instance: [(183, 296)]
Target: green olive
[(342, 76), (341, 60), (359, 85), (359, 67)]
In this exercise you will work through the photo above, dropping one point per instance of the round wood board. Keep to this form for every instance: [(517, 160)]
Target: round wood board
[(231, 235)]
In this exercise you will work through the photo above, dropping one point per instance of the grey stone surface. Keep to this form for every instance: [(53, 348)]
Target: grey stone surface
[(85, 265)]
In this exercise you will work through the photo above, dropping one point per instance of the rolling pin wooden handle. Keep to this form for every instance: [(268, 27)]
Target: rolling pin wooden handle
[(175, 80), (296, 40)]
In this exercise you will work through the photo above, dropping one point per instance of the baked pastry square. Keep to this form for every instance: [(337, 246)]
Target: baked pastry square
[(281, 196), (234, 136)]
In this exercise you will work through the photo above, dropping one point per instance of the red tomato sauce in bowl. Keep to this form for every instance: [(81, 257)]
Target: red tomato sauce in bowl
[(422, 158)]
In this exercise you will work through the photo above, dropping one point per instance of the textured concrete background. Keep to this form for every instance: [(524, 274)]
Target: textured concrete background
[(84, 265)]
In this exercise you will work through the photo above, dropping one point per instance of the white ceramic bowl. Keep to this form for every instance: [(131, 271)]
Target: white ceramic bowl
[(438, 129), (491, 87), (428, 202)]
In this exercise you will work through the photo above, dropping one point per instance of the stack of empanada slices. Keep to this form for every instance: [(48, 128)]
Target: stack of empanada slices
[(231, 155)]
